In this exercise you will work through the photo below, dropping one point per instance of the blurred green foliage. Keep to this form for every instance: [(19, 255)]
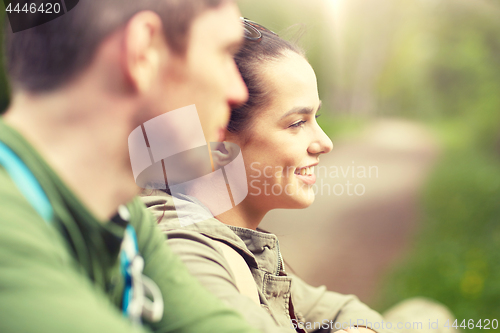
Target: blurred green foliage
[(455, 258), (456, 79), (456, 91)]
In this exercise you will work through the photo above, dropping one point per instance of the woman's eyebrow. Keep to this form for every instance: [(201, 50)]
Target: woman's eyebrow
[(301, 110)]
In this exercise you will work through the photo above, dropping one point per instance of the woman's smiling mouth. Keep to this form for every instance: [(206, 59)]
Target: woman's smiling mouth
[(306, 174)]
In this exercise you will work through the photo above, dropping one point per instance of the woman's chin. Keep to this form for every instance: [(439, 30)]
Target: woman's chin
[(309, 201), (303, 201)]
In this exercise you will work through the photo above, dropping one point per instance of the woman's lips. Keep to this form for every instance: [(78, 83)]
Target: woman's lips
[(308, 179), (306, 174)]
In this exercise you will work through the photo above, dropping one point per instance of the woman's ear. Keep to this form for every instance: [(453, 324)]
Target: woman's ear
[(224, 153)]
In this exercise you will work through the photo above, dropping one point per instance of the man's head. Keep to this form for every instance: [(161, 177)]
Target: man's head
[(168, 54)]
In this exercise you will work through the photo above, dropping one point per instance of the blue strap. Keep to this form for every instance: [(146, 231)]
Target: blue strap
[(129, 250), (26, 182)]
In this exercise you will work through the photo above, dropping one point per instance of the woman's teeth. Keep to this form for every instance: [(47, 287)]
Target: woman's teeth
[(305, 171)]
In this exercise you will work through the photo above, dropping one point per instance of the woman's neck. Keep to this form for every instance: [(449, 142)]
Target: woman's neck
[(246, 214), (243, 215)]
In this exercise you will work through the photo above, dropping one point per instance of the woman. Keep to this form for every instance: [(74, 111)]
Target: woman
[(280, 142)]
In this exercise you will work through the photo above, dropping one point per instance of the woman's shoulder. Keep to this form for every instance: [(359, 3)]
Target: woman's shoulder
[(185, 218)]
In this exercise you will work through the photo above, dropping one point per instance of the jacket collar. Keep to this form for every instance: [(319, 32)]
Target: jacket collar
[(264, 246), (259, 249)]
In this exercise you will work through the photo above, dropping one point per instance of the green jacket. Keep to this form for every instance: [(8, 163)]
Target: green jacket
[(65, 276)]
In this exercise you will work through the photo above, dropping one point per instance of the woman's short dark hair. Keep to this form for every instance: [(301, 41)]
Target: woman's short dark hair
[(45, 57), (249, 61)]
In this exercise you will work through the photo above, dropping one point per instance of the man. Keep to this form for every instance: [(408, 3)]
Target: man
[(81, 84)]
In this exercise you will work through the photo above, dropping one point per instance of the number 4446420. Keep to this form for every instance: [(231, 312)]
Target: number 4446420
[(33, 8), (484, 324)]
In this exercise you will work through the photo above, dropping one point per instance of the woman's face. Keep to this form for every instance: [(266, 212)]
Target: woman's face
[(283, 142)]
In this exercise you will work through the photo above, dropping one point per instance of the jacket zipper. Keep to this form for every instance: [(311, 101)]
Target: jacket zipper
[(280, 260)]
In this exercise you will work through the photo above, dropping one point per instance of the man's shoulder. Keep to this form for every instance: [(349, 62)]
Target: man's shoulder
[(25, 235), (12, 202)]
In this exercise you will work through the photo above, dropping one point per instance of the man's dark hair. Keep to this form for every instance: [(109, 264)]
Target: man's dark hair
[(47, 56)]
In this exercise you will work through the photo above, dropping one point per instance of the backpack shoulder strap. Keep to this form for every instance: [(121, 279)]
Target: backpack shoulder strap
[(26, 182), (244, 278)]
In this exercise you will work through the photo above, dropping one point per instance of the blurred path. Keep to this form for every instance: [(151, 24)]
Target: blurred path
[(347, 242)]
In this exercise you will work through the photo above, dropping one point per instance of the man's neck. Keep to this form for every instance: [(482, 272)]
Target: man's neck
[(83, 142)]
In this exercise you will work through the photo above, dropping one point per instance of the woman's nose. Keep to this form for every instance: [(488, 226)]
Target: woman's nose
[(321, 143)]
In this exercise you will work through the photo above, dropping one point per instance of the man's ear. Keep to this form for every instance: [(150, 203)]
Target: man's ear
[(144, 48), (224, 153)]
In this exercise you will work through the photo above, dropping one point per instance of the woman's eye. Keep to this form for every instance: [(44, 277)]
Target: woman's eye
[(317, 116), (298, 124)]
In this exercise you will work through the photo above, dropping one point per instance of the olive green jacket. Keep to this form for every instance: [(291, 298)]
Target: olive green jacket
[(282, 295)]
